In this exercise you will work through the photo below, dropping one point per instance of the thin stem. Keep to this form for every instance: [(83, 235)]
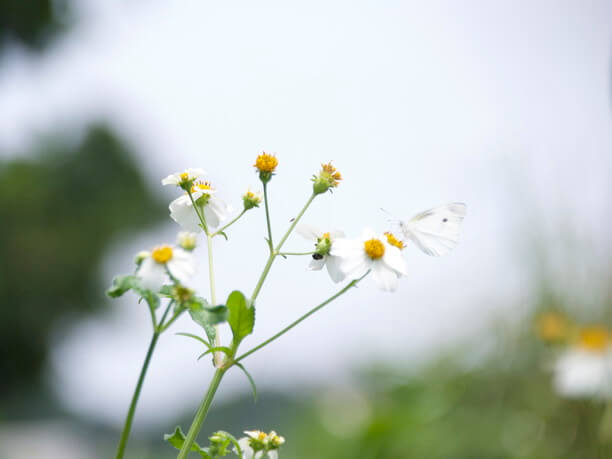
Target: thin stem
[(164, 327), (130, 415), (218, 356), (270, 243), (302, 318), (222, 229), (296, 253), (275, 252), (197, 211), (200, 416)]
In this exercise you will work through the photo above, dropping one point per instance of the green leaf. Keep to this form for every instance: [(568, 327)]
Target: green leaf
[(178, 438), (166, 290), (122, 284), (151, 298), (196, 337), (250, 378), (206, 316), (241, 316), (224, 235)]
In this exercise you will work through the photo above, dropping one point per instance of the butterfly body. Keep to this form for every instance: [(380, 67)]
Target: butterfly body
[(435, 231)]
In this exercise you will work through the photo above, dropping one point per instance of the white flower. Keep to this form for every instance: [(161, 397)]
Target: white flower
[(585, 369), (249, 453), (152, 270), (324, 241), (214, 209), (179, 178), (377, 253)]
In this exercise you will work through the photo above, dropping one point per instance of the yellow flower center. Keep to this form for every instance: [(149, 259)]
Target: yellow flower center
[(202, 186), (184, 177), (330, 173), (266, 162), (325, 236), (374, 248), (595, 338), (552, 326), (392, 240), (162, 254)]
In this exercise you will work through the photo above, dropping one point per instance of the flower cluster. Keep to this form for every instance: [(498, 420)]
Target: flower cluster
[(164, 273)]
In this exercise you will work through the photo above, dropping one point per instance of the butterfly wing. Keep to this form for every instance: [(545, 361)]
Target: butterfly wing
[(436, 231)]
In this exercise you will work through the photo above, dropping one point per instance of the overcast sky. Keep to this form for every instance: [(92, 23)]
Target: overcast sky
[(502, 105)]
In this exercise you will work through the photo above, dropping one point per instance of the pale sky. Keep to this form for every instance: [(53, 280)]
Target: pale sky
[(502, 105)]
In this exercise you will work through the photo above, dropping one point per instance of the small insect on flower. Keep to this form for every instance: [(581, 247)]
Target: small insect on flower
[(184, 179), (584, 370), (371, 252), (213, 208), (153, 270), (435, 231), (323, 243)]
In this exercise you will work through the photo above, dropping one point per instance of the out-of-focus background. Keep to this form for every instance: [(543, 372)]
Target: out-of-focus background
[(502, 105)]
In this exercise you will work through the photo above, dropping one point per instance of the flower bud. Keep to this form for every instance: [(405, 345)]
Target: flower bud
[(140, 256), (266, 165), (328, 178), (187, 240), (251, 199)]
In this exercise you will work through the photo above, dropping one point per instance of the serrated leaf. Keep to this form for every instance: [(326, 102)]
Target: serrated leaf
[(122, 284), (241, 316), (250, 378), (177, 439)]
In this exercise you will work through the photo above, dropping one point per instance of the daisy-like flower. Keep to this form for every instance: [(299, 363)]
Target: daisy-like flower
[(328, 178), (213, 208), (323, 244), (584, 370), (152, 270), (184, 179), (187, 240), (266, 165), (379, 253), (259, 444)]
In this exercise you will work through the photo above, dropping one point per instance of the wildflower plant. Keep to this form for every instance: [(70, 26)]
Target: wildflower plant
[(163, 275)]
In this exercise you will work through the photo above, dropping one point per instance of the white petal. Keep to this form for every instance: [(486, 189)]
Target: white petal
[(336, 234), (195, 173), (355, 266), (172, 179), (308, 232), (346, 247), (393, 259), (182, 212), (212, 219), (385, 278), (182, 265), (247, 451), (152, 275), (333, 268), (316, 265)]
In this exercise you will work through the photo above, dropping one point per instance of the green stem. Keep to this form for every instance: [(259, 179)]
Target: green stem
[(302, 318), (197, 211), (270, 243), (218, 356), (222, 229), (164, 327), (130, 415), (296, 253), (275, 252), (200, 416)]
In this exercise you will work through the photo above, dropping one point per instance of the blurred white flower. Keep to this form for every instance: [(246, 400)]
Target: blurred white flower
[(152, 271), (185, 177), (214, 209), (584, 370), (371, 252), (324, 241), (265, 444)]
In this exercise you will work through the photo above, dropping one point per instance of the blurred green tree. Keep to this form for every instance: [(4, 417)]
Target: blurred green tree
[(60, 208), (32, 23)]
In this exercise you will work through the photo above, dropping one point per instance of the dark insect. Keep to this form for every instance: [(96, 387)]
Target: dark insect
[(444, 220), (317, 256)]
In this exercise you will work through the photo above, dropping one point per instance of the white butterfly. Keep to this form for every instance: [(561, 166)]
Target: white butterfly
[(435, 231)]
